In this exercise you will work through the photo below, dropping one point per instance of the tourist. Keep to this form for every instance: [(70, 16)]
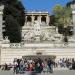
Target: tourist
[(46, 67), (30, 67), (38, 66), (21, 70), (68, 63), (6, 66), (73, 64), (15, 66), (50, 64), (60, 62)]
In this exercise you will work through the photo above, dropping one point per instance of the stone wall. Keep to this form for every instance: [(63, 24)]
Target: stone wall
[(8, 54)]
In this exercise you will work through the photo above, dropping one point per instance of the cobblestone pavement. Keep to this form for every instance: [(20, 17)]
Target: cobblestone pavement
[(56, 72)]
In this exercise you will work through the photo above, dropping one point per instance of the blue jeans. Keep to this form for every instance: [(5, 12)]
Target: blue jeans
[(21, 69), (51, 68)]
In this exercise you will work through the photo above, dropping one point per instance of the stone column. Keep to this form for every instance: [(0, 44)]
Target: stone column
[(32, 18), (25, 20), (39, 19), (47, 20), (1, 36), (1, 20)]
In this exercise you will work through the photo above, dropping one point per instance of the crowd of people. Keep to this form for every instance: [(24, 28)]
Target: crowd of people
[(38, 65), (68, 63)]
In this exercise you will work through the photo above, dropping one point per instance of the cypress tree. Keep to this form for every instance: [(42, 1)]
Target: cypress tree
[(14, 17)]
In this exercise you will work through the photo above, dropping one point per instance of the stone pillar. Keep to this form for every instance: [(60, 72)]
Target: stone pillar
[(1, 36), (39, 19), (32, 18), (1, 20), (73, 17), (25, 20), (47, 20)]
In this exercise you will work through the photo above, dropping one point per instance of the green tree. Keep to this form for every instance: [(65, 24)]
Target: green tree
[(12, 29), (62, 16), (14, 17)]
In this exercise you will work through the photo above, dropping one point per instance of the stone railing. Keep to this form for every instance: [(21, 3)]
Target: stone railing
[(16, 45), (39, 45)]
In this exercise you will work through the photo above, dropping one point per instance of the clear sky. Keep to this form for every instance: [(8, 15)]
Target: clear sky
[(42, 4)]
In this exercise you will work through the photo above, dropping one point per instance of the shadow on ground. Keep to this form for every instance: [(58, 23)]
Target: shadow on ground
[(33, 73)]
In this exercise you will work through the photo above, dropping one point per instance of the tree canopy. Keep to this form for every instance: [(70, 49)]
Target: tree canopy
[(62, 15), (63, 19), (14, 17)]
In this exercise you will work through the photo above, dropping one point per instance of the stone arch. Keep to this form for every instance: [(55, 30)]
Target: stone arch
[(29, 19), (43, 19)]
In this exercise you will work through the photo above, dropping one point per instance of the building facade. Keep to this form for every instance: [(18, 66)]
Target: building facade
[(38, 38)]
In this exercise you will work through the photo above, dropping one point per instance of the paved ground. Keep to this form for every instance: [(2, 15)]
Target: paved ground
[(56, 72)]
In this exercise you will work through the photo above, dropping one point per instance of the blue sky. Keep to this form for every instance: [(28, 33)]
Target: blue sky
[(42, 4)]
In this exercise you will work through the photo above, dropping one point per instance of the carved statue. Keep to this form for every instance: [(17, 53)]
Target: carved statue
[(40, 34), (35, 32)]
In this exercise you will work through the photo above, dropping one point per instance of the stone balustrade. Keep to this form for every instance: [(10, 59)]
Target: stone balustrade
[(38, 45)]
